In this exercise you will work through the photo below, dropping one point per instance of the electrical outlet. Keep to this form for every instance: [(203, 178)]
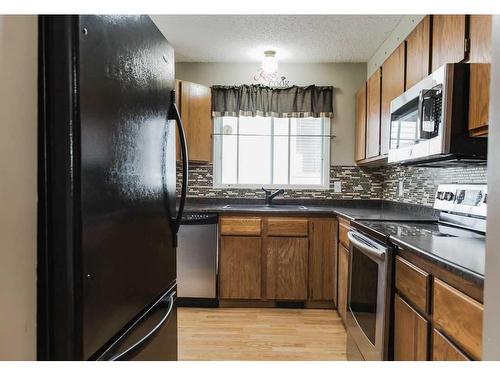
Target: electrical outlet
[(337, 186), (400, 190)]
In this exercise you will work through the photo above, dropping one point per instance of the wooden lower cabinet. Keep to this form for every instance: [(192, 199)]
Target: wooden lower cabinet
[(444, 350), (411, 332), (286, 268), (323, 259), (343, 282), (459, 316), (240, 267), (278, 258)]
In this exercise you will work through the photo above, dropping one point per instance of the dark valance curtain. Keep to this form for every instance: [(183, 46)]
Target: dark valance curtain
[(259, 100)]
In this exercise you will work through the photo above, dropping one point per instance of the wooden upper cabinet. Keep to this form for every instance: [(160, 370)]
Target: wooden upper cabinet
[(448, 39), (195, 107), (323, 259), (480, 38), (411, 333), (479, 90), (286, 268), (393, 85), (479, 99), (373, 86), (418, 53), (360, 145)]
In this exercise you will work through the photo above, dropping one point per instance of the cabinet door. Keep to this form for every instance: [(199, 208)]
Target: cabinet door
[(448, 39), (360, 152), (373, 115), (480, 38), (459, 316), (343, 284), (410, 333), (286, 268), (479, 99), (418, 53), (393, 85), (323, 259), (444, 350), (240, 267), (195, 108)]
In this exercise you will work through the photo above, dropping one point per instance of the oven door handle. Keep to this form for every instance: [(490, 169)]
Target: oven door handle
[(368, 250)]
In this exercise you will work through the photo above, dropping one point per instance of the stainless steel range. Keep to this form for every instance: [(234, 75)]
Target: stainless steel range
[(456, 240)]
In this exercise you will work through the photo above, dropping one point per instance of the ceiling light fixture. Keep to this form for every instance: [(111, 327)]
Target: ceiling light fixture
[(270, 63)]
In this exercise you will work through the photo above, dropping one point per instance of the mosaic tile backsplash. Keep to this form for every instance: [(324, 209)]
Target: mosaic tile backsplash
[(419, 184)]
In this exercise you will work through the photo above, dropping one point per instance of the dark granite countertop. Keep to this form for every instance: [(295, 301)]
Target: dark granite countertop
[(461, 253), (457, 250)]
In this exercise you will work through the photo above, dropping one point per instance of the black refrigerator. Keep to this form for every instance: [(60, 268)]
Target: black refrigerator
[(107, 217)]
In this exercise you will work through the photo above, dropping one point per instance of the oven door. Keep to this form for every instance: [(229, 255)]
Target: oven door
[(369, 296)]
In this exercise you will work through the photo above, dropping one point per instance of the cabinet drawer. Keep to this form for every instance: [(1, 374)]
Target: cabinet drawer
[(413, 283), (240, 226), (459, 317), (343, 229), (287, 227)]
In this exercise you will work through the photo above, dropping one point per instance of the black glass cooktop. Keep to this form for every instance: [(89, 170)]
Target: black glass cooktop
[(459, 247)]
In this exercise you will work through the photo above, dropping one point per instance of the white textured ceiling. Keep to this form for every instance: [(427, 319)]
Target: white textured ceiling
[(295, 38)]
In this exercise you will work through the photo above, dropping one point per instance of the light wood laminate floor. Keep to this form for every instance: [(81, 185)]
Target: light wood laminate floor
[(260, 334)]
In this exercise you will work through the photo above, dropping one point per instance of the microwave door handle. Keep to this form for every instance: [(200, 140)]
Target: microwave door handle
[(420, 116)]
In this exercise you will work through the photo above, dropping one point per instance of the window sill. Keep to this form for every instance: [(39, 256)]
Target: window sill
[(285, 187)]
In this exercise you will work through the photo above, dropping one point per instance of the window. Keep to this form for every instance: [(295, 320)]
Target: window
[(271, 152)]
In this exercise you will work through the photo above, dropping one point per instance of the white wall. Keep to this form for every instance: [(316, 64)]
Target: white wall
[(346, 79), (18, 186), (402, 30), (491, 328)]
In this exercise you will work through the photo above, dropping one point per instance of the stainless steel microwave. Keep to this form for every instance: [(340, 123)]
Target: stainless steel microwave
[(429, 121)]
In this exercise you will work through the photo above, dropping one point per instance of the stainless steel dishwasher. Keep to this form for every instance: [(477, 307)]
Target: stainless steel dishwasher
[(197, 259)]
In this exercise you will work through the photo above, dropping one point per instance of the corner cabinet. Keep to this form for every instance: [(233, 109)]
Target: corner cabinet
[(343, 269), (278, 259), (195, 106), (323, 259)]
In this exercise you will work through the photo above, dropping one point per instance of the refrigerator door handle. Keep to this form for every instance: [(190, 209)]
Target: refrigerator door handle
[(133, 348), (173, 114)]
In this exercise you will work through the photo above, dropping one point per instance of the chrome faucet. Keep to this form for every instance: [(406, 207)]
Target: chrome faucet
[(270, 195)]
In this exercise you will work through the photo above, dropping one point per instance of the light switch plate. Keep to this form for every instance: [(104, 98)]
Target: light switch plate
[(337, 186)]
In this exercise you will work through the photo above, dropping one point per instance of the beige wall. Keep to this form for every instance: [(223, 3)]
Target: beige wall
[(345, 77), (18, 186)]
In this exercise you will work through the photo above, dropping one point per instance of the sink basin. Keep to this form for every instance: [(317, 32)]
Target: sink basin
[(261, 207)]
